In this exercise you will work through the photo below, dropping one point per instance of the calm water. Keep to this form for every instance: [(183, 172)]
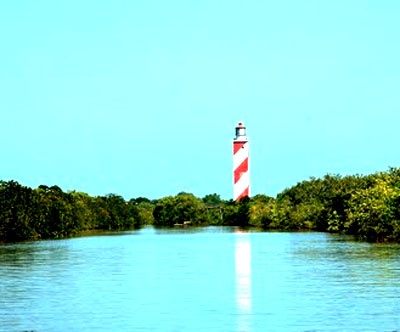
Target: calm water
[(210, 279)]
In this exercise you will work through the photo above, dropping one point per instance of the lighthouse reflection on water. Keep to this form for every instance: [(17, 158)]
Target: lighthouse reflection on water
[(243, 280)]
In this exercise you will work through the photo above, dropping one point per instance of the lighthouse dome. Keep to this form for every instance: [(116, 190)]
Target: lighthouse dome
[(240, 132)]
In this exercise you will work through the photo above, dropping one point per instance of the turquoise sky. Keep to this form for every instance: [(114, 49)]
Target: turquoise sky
[(140, 98)]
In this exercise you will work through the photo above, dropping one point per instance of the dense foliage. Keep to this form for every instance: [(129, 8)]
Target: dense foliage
[(365, 206), (48, 212)]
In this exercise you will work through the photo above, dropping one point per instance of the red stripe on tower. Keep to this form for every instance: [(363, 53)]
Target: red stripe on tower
[(241, 178)]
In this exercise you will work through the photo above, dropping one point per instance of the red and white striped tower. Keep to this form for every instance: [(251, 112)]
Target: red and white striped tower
[(241, 177)]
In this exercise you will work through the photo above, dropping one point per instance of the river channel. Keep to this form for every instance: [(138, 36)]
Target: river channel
[(200, 279)]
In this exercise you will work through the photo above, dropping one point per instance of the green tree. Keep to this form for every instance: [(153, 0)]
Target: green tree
[(262, 212), (17, 207), (164, 212), (56, 215), (372, 211), (237, 213), (144, 209), (114, 213), (84, 210), (178, 209), (214, 205)]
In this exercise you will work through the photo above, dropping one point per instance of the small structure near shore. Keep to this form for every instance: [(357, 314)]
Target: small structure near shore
[(185, 223)]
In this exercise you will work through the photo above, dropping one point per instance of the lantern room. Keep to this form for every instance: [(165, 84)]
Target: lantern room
[(240, 132)]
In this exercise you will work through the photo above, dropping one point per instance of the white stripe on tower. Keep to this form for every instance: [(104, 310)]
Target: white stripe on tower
[(242, 187), (241, 177), (241, 154)]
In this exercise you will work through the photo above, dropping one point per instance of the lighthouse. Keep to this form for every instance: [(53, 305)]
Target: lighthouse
[(241, 176)]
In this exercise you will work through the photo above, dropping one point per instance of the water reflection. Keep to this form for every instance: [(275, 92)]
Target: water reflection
[(243, 280), (204, 281), (186, 230)]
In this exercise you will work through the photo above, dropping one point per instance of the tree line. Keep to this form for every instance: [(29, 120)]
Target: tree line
[(367, 207), (48, 212)]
